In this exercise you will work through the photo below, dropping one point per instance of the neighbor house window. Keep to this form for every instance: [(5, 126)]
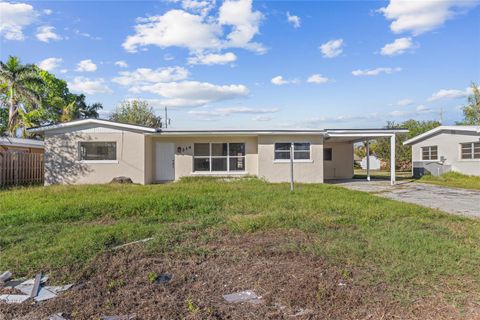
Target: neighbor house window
[(430, 153), (471, 150), (224, 157), (98, 151), (301, 151), (327, 154)]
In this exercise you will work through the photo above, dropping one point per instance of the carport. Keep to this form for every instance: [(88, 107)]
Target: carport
[(366, 135)]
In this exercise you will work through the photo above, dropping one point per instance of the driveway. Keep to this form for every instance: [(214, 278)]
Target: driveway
[(452, 200)]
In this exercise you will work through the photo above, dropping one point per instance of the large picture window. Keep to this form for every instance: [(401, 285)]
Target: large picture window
[(98, 151), (301, 151), (430, 153), (219, 157), (470, 150)]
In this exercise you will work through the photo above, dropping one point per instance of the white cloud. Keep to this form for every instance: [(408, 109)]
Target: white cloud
[(448, 94), (13, 18), (421, 16), (317, 78), (146, 76), (399, 46), (88, 86), (199, 32), (85, 34), (403, 103), (121, 64), (294, 20), (278, 81), (50, 63), (47, 33), (262, 118), (168, 57), (222, 112), (332, 48), (210, 59), (193, 93), (200, 6), (375, 72), (86, 66), (47, 12)]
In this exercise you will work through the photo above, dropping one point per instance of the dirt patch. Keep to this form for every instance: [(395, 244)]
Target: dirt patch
[(291, 283)]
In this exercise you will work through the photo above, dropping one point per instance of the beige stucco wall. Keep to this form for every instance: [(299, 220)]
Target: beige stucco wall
[(449, 147), (62, 163), (305, 171), (341, 166), (184, 159)]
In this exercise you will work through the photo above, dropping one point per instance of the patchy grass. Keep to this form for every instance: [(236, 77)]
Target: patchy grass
[(417, 251), (453, 179)]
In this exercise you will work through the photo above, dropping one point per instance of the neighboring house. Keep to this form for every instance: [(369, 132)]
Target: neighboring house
[(446, 148), (96, 151), (375, 163), (8, 144)]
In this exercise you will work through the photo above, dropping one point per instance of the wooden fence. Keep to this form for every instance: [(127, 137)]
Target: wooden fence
[(18, 168)]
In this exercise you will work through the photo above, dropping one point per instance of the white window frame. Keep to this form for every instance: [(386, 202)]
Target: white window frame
[(79, 159), (429, 153), (228, 157), (473, 150), (294, 160)]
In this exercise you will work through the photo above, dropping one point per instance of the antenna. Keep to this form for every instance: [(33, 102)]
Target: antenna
[(167, 119), (441, 115)]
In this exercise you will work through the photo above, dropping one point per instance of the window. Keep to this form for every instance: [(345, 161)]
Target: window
[(470, 150), (430, 153), (98, 151), (301, 151), (327, 154), (220, 157)]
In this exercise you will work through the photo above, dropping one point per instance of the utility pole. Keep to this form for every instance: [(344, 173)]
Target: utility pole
[(441, 115), (167, 119)]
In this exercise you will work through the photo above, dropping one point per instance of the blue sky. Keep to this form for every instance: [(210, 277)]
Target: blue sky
[(273, 64)]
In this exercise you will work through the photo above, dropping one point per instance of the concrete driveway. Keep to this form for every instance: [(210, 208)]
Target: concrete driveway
[(452, 200)]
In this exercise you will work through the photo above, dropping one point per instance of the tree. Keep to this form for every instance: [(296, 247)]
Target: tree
[(17, 81), (471, 112), (403, 154), (136, 112)]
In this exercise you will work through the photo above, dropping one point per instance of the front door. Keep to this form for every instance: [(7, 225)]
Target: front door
[(165, 161)]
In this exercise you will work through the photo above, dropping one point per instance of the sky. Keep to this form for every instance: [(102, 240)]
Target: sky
[(261, 64)]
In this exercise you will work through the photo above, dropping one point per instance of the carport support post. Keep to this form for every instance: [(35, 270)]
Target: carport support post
[(392, 159), (368, 160), (292, 186)]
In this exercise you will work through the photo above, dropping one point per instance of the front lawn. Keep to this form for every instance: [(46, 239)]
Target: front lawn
[(453, 179), (409, 251)]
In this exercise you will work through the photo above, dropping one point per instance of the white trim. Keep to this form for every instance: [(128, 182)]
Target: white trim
[(295, 161), (98, 161), (227, 157), (21, 142), (472, 129), (218, 173), (92, 121)]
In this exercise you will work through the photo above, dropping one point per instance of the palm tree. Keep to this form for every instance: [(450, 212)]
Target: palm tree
[(16, 81)]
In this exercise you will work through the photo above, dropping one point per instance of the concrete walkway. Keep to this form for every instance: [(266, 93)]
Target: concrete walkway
[(452, 200)]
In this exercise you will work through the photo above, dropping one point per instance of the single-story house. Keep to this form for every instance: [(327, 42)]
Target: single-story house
[(373, 162), (446, 148), (9, 144), (95, 151)]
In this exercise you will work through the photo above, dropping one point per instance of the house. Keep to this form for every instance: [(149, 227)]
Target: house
[(95, 151), (374, 163), (8, 144), (446, 148)]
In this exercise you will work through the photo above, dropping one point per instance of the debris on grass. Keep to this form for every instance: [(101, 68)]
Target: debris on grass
[(4, 277), (242, 296), (32, 288), (126, 317), (57, 316), (14, 298), (130, 243)]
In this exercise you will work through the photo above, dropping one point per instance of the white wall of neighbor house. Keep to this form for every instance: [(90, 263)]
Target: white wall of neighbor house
[(64, 166), (308, 171), (184, 147), (449, 144), (341, 165)]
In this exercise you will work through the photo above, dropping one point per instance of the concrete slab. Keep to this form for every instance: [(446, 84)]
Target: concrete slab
[(451, 200)]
